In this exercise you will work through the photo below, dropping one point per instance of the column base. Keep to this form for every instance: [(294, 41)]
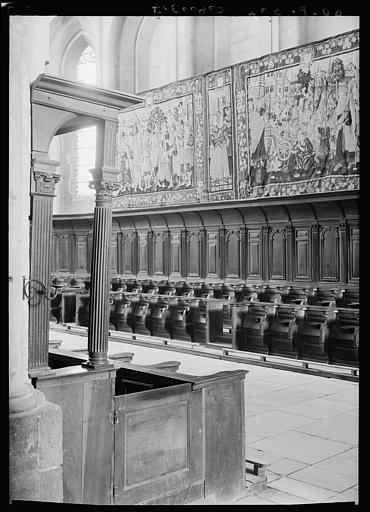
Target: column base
[(97, 366), (36, 454), (36, 372)]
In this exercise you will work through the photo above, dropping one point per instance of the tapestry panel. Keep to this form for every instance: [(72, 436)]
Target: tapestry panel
[(160, 147), (298, 120), (220, 136)]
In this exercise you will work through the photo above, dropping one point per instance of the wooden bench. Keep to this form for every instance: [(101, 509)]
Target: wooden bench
[(344, 337)]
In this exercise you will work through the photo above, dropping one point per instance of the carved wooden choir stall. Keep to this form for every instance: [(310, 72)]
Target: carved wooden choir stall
[(222, 218), (131, 434)]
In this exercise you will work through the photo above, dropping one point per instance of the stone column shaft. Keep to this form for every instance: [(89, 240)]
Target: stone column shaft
[(100, 273), (40, 270)]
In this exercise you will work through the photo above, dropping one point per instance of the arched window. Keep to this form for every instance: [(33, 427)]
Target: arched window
[(86, 138)]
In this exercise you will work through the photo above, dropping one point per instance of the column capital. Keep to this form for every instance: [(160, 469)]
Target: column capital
[(45, 182), (45, 178), (104, 189), (104, 182)]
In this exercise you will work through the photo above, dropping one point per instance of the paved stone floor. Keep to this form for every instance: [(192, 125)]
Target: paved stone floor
[(305, 427)]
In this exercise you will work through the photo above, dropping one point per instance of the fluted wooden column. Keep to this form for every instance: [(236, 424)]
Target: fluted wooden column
[(100, 271), (42, 194)]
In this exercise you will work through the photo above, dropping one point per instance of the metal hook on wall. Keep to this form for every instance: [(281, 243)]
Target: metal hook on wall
[(33, 290)]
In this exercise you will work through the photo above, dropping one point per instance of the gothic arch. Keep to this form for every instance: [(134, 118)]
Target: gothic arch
[(121, 51), (69, 36)]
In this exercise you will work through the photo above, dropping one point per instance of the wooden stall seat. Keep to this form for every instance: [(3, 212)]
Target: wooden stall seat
[(283, 327), (220, 316), (350, 299), (256, 322), (325, 297), (180, 321), (157, 323), (82, 308), (56, 307), (344, 337), (197, 287), (311, 337), (200, 321), (249, 293), (269, 294), (113, 307), (139, 316), (123, 314), (116, 283)]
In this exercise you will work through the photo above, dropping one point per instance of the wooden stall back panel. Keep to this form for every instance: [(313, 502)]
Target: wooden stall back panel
[(81, 253), (143, 252), (278, 254), (302, 267), (114, 270), (329, 254), (254, 269), (87, 437), (127, 254), (233, 254), (175, 254), (354, 255), (64, 253), (54, 253), (224, 439), (213, 255), (194, 255), (160, 254), (157, 444)]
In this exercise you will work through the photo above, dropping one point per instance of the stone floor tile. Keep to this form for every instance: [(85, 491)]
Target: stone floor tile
[(252, 390), (280, 497), (325, 479), (263, 456), (274, 422), (328, 386), (252, 410), (286, 466), (349, 396), (303, 490), (286, 397), (319, 408), (269, 385), (271, 476), (343, 427), (252, 500), (341, 464), (301, 447), (285, 377), (252, 437), (350, 495)]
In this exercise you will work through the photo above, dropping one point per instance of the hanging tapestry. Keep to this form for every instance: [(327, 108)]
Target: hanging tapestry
[(160, 147), (298, 120), (220, 142)]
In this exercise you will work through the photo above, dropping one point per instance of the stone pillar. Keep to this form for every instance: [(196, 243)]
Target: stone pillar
[(100, 269), (44, 181), (35, 425)]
